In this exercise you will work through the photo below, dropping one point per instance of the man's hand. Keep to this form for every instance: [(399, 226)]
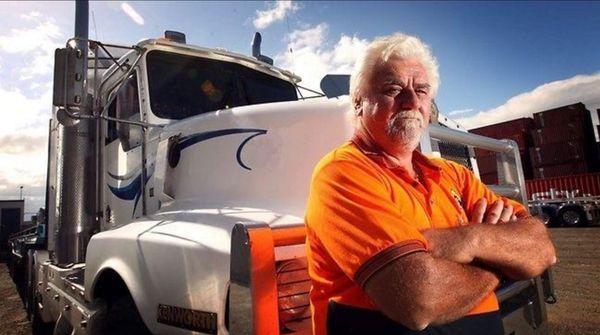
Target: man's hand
[(497, 213)]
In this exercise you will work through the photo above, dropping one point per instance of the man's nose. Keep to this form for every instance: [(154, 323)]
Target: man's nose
[(408, 99)]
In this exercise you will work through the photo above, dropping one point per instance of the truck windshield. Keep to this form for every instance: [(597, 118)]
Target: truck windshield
[(181, 86)]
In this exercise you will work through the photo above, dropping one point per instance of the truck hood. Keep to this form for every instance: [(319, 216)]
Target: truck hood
[(259, 156)]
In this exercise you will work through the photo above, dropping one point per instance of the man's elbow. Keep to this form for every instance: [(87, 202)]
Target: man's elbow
[(418, 316)]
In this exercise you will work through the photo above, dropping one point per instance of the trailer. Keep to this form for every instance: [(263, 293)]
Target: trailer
[(564, 208), (177, 180)]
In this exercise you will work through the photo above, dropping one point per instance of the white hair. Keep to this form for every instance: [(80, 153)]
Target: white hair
[(381, 50)]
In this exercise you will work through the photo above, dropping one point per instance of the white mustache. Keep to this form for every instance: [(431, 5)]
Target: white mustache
[(408, 114)]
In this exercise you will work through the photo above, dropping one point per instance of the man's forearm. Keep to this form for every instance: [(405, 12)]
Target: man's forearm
[(460, 288), (418, 289), (519, 250)]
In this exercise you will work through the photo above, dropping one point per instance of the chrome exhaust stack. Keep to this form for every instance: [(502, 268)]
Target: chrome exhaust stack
[(76, 164)]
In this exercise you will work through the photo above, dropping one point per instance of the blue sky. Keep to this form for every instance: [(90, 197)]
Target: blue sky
[(498, 60)]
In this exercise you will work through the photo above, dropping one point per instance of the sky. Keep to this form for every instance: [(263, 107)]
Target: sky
[(498, 60)]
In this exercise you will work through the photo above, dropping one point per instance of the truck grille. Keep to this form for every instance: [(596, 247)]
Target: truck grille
[(293, 286), (456, 152)]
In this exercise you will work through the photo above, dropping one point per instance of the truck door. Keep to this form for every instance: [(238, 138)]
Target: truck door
[(123, 187)]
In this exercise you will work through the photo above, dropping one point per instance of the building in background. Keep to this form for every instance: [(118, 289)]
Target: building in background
[(11, 220)]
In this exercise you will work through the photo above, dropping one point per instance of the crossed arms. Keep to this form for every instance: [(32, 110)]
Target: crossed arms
[(461, 267)]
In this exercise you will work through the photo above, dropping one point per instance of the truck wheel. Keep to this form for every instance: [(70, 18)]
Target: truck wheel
[(31, 284), (123, 318), (38, 326), (572, 217)]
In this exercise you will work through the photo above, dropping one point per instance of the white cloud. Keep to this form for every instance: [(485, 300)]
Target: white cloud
[(311, 58), (35, 45), (24, 114), (460, 111), (132, 13), (23, 145), (31, 16), (277, 12), (26, 95), (42, 37), (580, 88)]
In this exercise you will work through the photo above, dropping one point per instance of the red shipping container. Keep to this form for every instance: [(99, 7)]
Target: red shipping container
[(489, 178), (588, 183), (559, 116), (557, 153), (551, 171), (549, 135), (483, 153), (487, 164), (523, 139), (522, 125)]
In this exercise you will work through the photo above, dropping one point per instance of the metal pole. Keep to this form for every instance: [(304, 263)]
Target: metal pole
[(20, 192), (81, 18)]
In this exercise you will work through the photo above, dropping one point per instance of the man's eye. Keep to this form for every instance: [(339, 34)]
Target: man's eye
[(422, 92), (392, 91)]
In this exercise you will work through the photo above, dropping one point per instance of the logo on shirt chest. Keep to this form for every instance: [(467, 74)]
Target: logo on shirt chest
[(456, 197)]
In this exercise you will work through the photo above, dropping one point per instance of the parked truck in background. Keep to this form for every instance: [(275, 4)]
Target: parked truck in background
[(177, 181)]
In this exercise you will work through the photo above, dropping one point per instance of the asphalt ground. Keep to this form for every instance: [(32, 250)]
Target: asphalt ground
[(576, 279)]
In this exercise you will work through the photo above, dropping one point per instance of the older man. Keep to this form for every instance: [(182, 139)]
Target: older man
[(399, 243)]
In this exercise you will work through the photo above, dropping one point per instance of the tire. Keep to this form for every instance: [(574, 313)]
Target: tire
[(548, 215), (30, 275), (123, 318), (38, 326), (572, 216)]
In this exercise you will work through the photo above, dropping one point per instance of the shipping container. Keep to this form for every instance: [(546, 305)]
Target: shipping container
[(487, 164), (498, 130), (489, 178), (588, 183), (558, 170), (557, 153), (549, 135), (574, 113)]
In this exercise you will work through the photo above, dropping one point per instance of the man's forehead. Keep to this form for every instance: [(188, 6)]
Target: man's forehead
[(396, 69)]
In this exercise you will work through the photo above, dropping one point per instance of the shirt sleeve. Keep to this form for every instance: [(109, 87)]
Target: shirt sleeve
[(473, 190), (351, 212)]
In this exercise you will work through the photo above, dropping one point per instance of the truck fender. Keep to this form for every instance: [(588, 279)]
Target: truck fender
[(113, 273)]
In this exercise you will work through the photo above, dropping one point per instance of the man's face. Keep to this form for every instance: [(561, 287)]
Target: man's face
[(395, 107)]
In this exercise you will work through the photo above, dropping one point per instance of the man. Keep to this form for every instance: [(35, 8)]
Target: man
[(399, 243)]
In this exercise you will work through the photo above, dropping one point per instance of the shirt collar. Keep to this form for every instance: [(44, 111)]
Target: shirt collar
[(368, 147)]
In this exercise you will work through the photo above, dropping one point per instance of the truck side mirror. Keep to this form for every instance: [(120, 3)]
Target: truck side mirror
[(69, 79)]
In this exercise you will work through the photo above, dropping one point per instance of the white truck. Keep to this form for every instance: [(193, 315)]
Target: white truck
[(177, 181)]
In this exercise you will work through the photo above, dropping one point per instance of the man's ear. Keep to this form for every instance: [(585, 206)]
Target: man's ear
[(358, 106)]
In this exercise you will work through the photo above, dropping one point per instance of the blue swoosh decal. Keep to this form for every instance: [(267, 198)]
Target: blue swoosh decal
[(131, 191), (190, 140)]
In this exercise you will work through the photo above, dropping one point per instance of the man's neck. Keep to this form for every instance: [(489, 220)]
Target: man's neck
[(401, 156)]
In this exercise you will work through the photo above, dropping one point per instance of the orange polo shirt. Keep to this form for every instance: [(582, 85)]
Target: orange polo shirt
[(363, 213)]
